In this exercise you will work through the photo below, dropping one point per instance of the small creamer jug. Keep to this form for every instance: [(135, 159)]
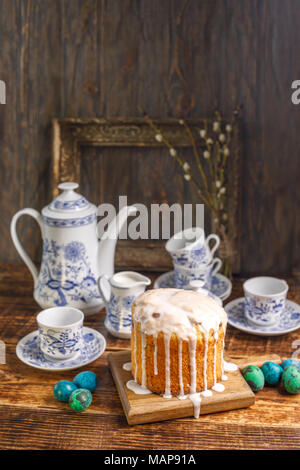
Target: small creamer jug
[(118, 292)]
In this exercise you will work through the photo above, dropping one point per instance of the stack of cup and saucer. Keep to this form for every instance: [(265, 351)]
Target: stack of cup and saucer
[(61, 341), (193, 260), (264, 310)]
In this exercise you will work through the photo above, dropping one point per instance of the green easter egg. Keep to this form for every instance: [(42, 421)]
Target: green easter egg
[(254, 377), (80, 399), (291, 379)]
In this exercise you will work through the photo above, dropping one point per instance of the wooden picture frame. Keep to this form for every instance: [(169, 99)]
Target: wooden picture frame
[(70, 135)]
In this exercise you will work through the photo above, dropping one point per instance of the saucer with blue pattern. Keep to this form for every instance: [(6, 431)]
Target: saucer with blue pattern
[(93, 346), (221, 285), (289, 319)]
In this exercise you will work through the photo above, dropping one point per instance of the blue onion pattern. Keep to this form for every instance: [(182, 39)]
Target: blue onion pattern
[(263, 311), (119, 311), (74, 251), (64, 282)]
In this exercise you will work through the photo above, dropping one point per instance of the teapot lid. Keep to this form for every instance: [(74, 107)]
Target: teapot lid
[(68, 203), (68, 200)]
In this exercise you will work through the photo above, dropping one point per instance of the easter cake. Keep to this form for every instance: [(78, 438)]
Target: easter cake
[(177, 342)]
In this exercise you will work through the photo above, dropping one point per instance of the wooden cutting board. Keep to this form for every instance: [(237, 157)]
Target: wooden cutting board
[(150, 408)]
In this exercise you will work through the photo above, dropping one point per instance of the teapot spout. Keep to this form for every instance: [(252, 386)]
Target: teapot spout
[(107, 244)]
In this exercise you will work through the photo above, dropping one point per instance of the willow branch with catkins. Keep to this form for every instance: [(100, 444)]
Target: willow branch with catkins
[(213, 154)]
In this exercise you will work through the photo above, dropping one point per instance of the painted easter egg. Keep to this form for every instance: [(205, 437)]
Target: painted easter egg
[(62, 390), (86, 379), (272, 372), (291, 379), (290, 362), (254, 377), (80, 399)]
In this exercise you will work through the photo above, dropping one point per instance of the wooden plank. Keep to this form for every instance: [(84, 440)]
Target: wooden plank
[(27, 429), (151, 408)]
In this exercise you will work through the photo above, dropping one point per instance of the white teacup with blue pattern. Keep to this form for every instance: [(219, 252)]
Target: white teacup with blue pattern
[(60, 332), (264, 299), (183, 276), (190, 249)]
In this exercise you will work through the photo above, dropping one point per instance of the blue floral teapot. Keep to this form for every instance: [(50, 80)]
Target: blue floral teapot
[(73, 256)]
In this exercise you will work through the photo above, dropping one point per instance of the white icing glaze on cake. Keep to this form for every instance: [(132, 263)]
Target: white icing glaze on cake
[(179, 311), (127, 366)]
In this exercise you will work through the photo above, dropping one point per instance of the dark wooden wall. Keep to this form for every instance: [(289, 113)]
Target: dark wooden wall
[(86, 58)]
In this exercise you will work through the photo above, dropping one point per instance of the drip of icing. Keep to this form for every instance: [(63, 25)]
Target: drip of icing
[(205, 360), (155, 355), (218, 387), (230, 367), (127, 366), (215, 356), (137, 388), (167, 393), (206, 393), (224, 377), (134, 347), (180, 368), (182, 397), (222, 353), (196, 400), (193, 367), (144, 375)]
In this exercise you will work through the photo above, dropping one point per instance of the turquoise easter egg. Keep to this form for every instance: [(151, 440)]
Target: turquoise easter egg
[(80, 399), (272, 372), (290, 362), (86, 379), (62, 390), (291, 379), (254, 377)]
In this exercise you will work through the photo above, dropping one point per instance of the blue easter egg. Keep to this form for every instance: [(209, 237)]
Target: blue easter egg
[(290, 362), (86, 379), (272, 372), (63, 389)]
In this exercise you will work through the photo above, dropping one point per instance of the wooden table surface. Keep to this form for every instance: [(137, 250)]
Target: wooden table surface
[(31, 418)]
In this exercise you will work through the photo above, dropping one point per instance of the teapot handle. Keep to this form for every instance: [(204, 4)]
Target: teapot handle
[(13, 231), (104, 291)]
